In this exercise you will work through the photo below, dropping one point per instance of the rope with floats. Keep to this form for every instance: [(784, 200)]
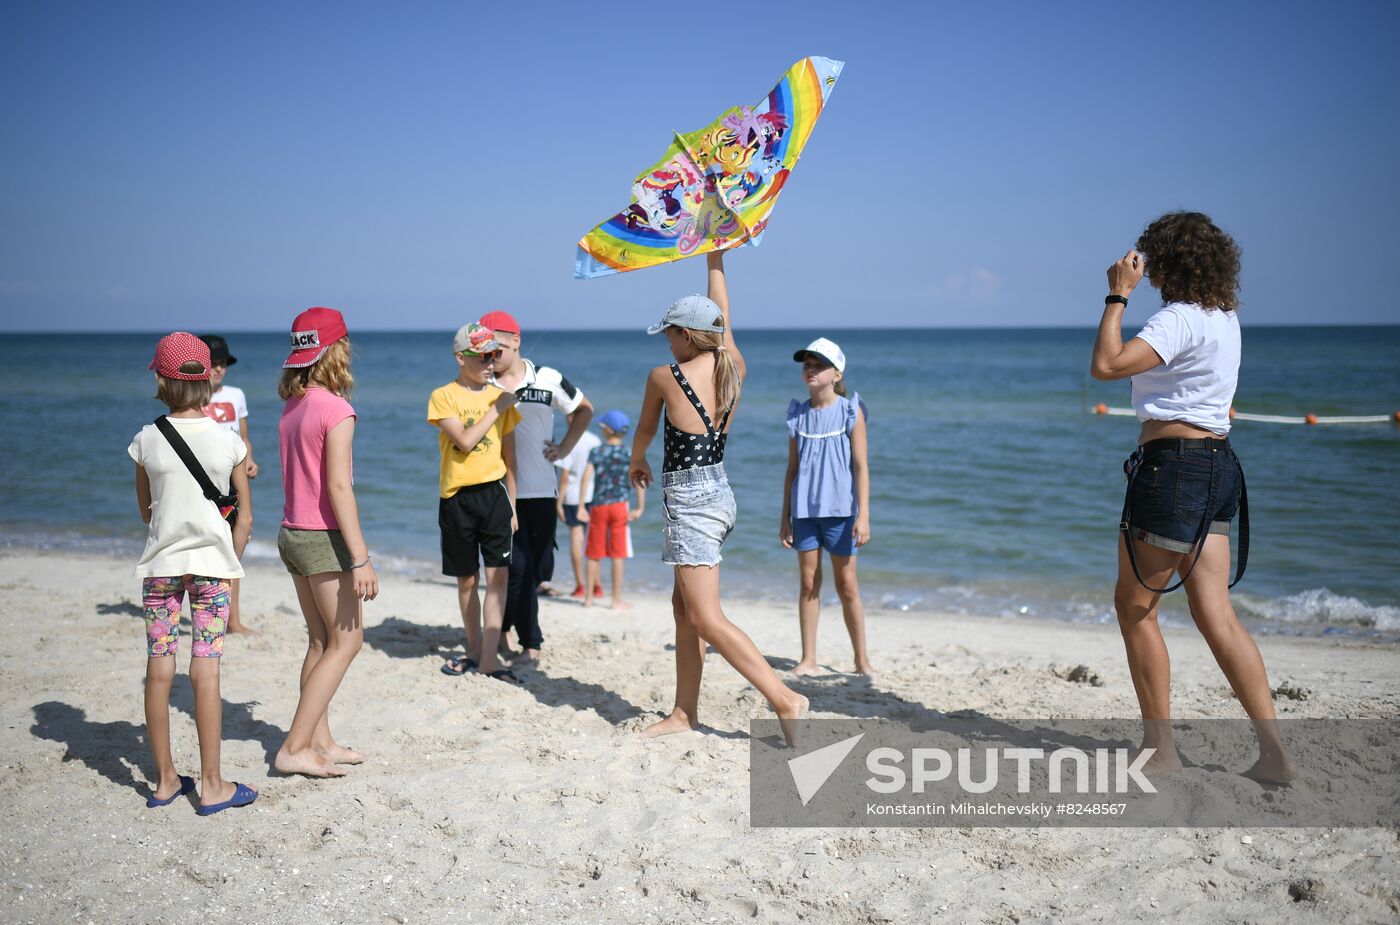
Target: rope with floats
[(1309, 419)]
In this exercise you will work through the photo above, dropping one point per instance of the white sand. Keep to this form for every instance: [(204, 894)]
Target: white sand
[(486, 803)]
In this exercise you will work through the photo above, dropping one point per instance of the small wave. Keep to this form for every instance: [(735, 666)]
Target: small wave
[(1319, 606), (261, 551), (60, 540)]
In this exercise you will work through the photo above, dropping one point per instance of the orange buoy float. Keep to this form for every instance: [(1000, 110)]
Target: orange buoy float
[(1101, 408), (1397, 417), (1232, 412), (1310, 419)]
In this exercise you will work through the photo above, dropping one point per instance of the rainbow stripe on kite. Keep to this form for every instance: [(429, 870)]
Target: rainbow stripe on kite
[(714, 188)]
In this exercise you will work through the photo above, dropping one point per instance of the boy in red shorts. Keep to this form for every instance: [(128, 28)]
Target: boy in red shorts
[(608, 516)]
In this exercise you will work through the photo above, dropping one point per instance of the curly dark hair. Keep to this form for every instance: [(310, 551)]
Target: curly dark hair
[(1189, 259)]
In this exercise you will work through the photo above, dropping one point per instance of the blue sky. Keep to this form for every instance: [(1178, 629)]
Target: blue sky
[(225, 166)]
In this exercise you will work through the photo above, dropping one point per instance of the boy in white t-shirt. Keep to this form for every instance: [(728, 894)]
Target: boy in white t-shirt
[(569, 502), (229, 407)]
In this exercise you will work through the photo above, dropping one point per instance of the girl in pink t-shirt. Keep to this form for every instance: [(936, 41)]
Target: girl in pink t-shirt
[(320, 540)]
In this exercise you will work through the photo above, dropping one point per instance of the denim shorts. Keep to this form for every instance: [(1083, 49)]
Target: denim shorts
[(1170, 492), (698, 507), (837, 535)]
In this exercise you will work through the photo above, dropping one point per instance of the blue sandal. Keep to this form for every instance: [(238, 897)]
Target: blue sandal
[(186, 786), (242, 796), (458, 666), (506, 675)]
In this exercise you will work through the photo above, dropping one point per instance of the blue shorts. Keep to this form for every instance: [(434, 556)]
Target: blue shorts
[(1173, 491), (837, 535), (571, 516)]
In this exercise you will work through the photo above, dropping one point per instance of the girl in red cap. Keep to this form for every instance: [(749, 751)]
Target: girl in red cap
[(183, 462), (320, 540)]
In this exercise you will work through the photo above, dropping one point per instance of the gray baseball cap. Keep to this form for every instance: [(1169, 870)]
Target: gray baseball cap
[(695, 312), (475, 339)]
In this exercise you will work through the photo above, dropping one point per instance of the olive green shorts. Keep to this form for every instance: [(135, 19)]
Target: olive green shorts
[(313, 552)]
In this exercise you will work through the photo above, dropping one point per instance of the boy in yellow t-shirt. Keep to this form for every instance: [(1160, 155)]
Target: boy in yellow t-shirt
[(476, 489)]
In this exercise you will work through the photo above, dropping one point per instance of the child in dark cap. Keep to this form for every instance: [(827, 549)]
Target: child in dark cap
[(229, 407)]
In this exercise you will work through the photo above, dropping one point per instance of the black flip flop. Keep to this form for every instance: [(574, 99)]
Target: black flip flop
[(504, 674), (458, 666)]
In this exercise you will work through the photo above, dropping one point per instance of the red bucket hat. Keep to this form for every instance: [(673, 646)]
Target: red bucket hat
[(175, 350), (313, 332), (501, 321)]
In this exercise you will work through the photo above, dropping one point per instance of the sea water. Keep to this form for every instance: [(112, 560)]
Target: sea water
[(995, 490)]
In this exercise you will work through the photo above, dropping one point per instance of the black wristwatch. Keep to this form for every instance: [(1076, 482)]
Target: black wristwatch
[(1115, 300)]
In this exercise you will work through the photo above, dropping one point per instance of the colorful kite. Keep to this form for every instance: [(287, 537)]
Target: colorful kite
[(714, 189)]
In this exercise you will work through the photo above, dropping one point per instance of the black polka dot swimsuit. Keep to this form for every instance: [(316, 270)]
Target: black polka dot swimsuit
[(690, 451)]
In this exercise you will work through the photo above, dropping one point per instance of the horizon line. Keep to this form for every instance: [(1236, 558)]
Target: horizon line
[(595, 330)]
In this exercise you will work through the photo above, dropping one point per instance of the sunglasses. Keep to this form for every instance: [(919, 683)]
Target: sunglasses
[(483, 357)]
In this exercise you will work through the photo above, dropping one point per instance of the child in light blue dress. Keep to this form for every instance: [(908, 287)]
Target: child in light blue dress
[(826, 496)]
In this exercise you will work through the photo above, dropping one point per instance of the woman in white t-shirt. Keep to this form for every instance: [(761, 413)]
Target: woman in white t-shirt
[(1185, 483)]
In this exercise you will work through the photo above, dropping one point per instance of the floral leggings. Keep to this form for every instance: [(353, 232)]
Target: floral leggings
[(209, 605)]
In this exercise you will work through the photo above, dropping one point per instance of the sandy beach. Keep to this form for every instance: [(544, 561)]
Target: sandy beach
[(486, 803)]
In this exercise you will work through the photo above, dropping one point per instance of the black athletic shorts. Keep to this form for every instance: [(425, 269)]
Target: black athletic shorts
[(475, 525)]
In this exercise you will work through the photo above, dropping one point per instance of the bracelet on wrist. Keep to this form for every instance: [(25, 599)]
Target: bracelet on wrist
[(356, 565), (1115, 300)]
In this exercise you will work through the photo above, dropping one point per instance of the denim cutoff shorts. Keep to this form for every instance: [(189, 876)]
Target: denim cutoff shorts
[(698, 507), (1170, 489)]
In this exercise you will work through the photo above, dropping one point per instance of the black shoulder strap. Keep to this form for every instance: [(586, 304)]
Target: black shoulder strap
[(724, 418), (182, 449), (694, 399)]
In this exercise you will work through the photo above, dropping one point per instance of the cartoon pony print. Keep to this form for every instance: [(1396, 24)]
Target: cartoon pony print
[(693, 206), (660, 197)]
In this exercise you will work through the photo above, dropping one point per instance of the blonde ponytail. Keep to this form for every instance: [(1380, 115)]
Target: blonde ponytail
[(727, 379)]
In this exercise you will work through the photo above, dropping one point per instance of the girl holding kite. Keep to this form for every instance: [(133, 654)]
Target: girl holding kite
[(698, 394)]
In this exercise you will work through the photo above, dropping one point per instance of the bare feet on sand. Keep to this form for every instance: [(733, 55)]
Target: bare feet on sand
[(866, 669), (339, 754), (620, 605), (789, 714), (308, 763), (1163, 761), (1273, 769), (243, 629), (806, 668), (676, 722)]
